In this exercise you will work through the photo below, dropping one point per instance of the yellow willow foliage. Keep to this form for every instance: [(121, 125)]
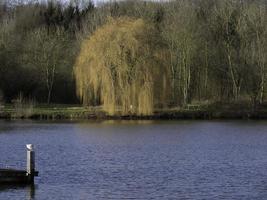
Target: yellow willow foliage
[(120, 67)]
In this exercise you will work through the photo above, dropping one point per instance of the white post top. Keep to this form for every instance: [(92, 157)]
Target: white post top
[(29, 147)]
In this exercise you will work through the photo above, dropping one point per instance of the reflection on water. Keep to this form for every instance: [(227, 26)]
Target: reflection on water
[(129, 122), (29, 190), (139, 159)]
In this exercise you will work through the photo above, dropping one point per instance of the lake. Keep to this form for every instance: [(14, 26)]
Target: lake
[(138, 159)]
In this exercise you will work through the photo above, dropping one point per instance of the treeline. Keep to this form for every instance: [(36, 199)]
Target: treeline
[(38, 45), (156, 54)]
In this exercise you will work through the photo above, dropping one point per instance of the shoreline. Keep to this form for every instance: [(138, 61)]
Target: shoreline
[(81, 113)]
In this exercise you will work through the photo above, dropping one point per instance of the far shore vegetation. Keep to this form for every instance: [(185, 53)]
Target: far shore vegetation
[(197, 59)]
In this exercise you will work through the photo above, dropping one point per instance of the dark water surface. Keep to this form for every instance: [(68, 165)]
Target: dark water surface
[(139, 160)]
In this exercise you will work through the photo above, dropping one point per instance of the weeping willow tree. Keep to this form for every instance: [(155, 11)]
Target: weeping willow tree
[(122, 67)]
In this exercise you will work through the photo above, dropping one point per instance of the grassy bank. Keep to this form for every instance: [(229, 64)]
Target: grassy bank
[(76, 112)]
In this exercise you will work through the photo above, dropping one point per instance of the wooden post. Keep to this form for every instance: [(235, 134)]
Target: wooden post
[(30, 162)]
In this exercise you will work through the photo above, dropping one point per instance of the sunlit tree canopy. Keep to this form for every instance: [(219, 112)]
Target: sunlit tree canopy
[(121, 67)]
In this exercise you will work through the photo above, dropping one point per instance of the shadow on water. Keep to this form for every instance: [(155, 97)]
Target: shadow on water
[(29, 189)]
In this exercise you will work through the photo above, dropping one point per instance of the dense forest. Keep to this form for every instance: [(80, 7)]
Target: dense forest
[(134, 56)]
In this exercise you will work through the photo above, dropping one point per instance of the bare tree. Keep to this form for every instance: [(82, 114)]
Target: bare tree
[(48, 51), (179, 34), (229, 17), (254, 43)]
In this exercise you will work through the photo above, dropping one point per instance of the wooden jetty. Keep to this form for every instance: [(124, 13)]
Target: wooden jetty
[(13, 176)]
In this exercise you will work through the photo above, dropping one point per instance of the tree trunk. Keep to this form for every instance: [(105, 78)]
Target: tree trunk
[(232, 75), (206, 72), (49, 96)]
